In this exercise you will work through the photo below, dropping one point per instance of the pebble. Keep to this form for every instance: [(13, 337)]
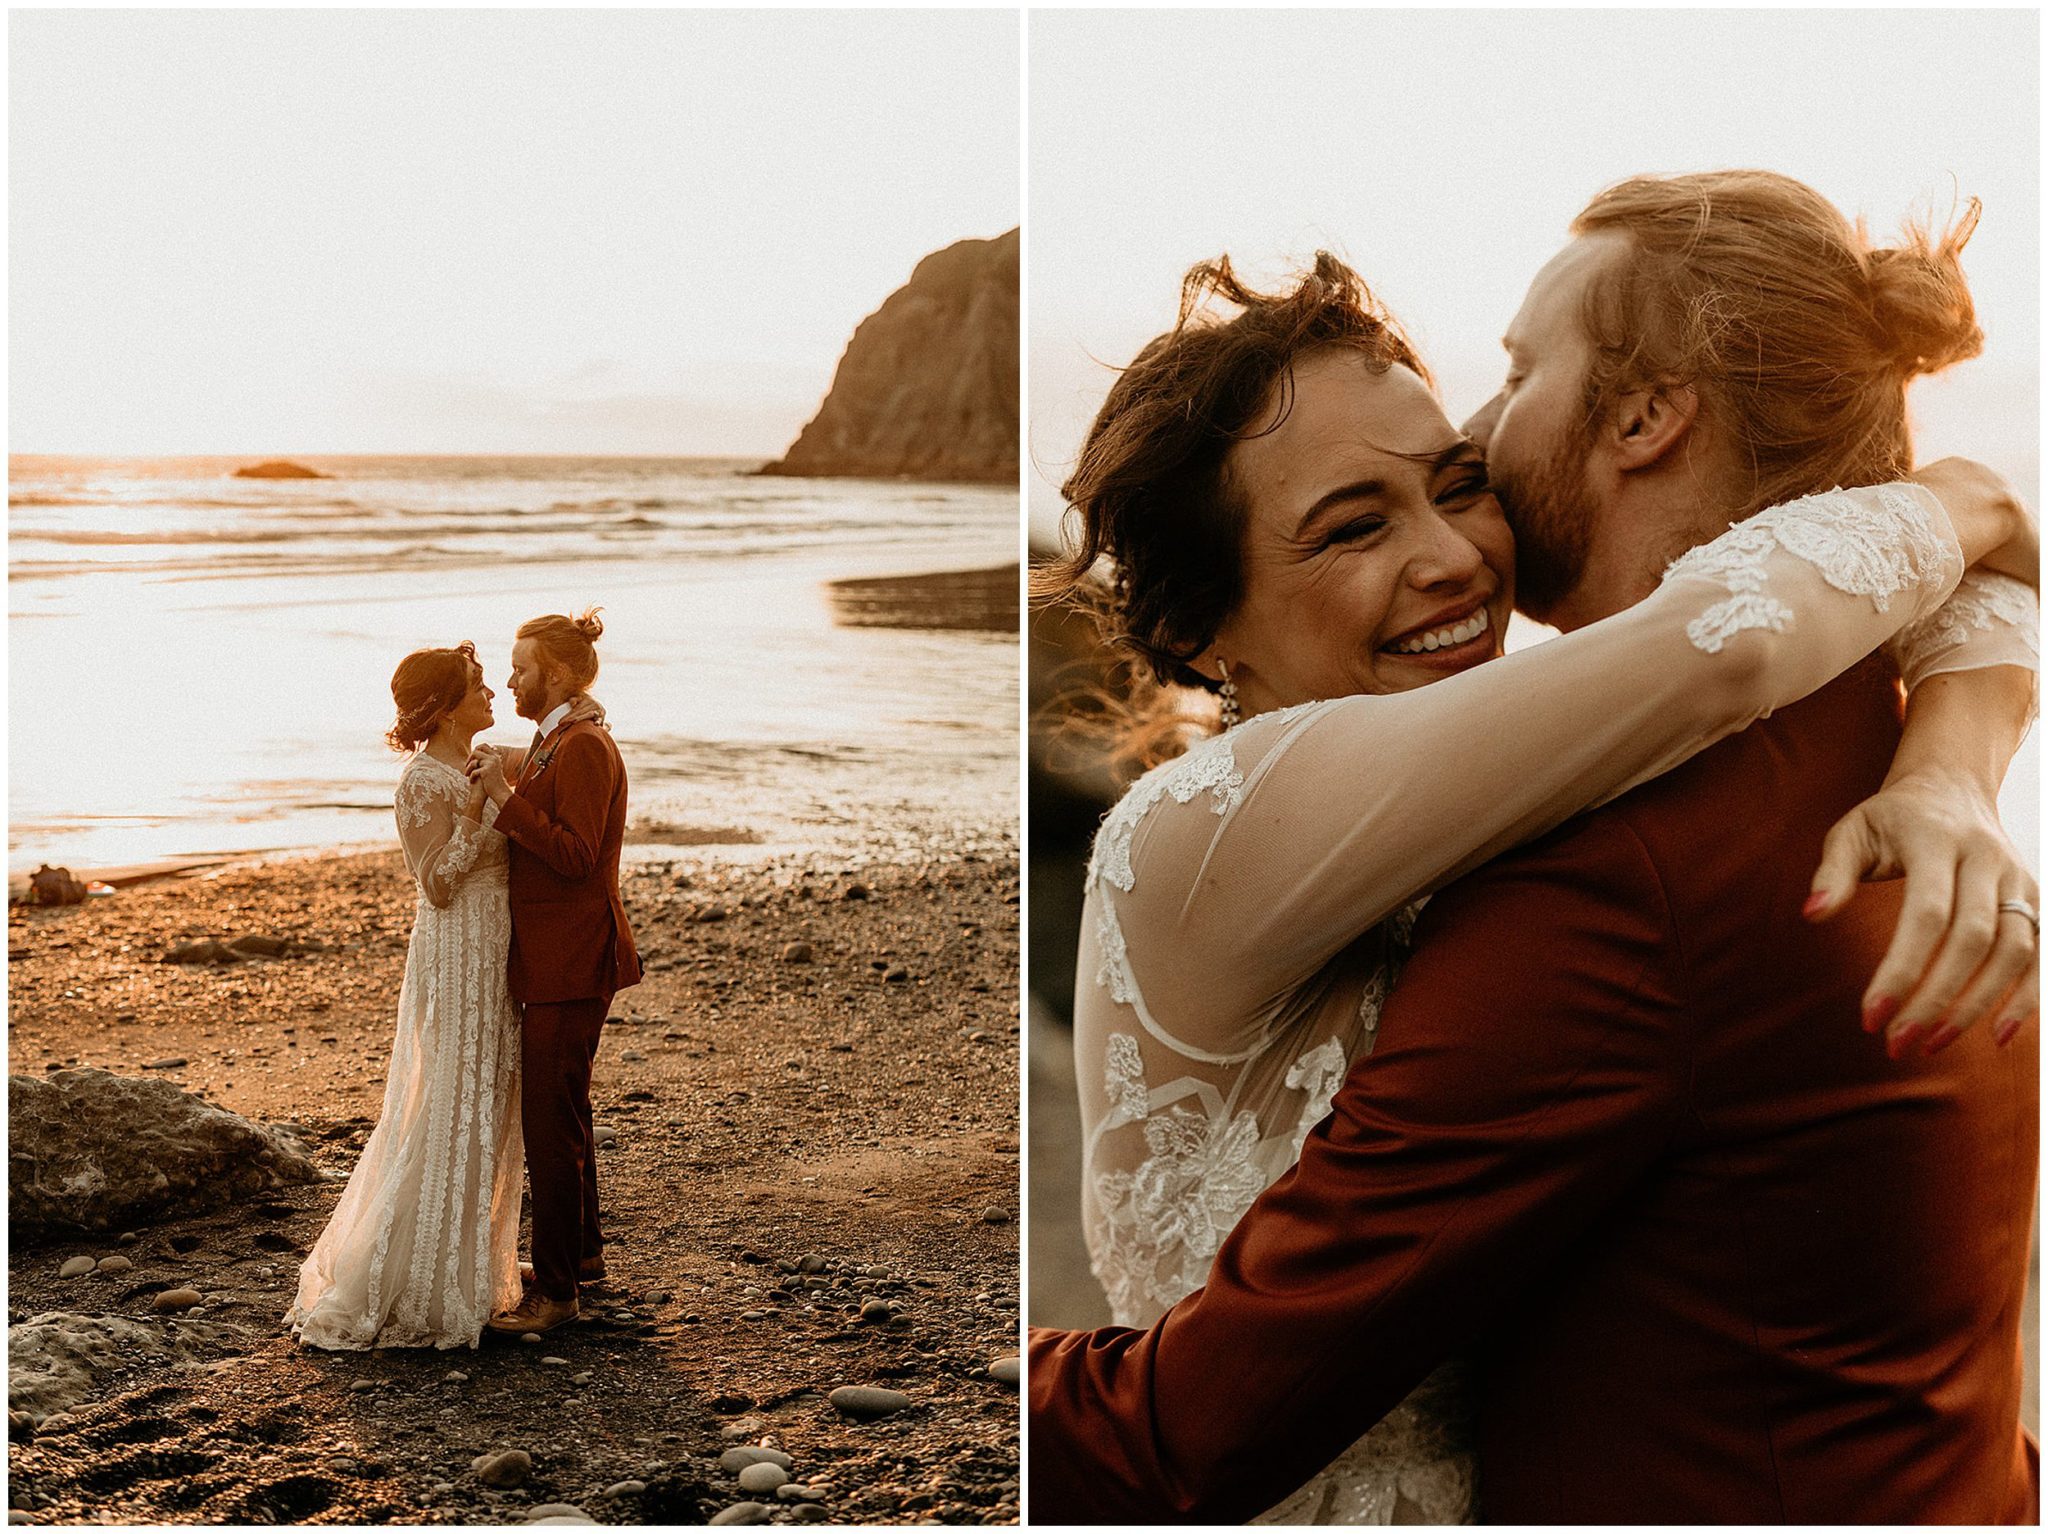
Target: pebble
[(172, 1064), (855, 892), (115, 1264), (456, 1377), (511, 1468), (606, 1135), (746, 1427), (896, 974), (75, 1267), (624, 1489), (868, 1401), (361, 1386), (1006, 1371), (172, 1301), (127, 1238), (529, 1337), (796, 953), (810, 1262), (796, 1491), (809, 1512), (763, 1477), (874, 1312), (579, 1379), (741, 1512), (753, 1315), (995, 1214), (558, 1512), (734, 1460), (632, 1055), (16, 1515)]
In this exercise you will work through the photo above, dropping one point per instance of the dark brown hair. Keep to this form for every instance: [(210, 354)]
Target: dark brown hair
[(570, 643), (427, 687), (1753, 288), (1155, 525)]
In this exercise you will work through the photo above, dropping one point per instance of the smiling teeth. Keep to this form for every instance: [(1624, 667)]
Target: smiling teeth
[(1440, 639)]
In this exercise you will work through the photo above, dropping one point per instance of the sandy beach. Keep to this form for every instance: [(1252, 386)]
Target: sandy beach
[(799, 1130)]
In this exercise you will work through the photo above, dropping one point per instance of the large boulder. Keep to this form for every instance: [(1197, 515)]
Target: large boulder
[(928, 386), (88, 1151), (58, 1361)]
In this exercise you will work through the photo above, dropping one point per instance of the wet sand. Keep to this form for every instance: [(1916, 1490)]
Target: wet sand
[(860, 1108), (983, 600)]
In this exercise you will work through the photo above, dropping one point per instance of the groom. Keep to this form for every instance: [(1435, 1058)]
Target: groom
[(1721, 1260), (564, 821)]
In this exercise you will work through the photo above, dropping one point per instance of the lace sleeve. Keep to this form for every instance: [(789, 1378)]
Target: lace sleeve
[(1229, 877), (1992, 620), (440, 843)]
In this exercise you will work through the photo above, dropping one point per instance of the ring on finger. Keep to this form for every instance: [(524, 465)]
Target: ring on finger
[(2021, 908)]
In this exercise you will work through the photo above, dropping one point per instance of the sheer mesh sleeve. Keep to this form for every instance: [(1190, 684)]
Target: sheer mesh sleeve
[(440, 843), (1227, 878), (1992, 620)]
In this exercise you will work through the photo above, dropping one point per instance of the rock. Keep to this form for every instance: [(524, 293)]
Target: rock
[(763, 1477), (874, 1312), (75, 1266), (632, 1055), (1007, 1370), (796, 1491), (606, 1134), (734, 1460), (810, 1262), (856, 892), (623, 1489), (580, 1379), (558, 1512), (89, 1150), (995, 1214), (174, 1062), (455, 1377), (928, 386), (504, 1470), (205, 951), (741, 1512), (796, 953), (896, 974), (363, 1387), (746, 1427), (56, 1361), (278, 468), (810, 1512), (172, 1301), (115, 1264), (562, 1363), (868, 1402)]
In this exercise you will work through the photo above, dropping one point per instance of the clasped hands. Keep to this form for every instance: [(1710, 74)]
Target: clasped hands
[(486, 769)]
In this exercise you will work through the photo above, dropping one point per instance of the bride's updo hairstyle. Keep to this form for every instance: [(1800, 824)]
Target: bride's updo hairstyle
[(1799, 334), (1154, 523), (570, 643), (427, 687)]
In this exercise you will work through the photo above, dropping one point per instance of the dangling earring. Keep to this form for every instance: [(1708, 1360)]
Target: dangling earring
[(1228, 692)]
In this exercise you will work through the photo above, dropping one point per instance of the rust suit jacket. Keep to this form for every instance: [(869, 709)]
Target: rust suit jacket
[(564, 825), (1718, 1260)]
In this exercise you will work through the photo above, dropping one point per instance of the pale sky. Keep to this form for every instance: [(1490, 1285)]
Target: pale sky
[(1444, 153), (478, 231)]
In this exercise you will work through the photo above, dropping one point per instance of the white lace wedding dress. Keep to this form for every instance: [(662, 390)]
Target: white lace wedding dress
[(423, 1247), (1249, 903)]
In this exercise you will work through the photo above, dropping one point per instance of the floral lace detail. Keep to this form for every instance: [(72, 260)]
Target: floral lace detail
[(423, 1245), (2005, 611), (1318, 1074), (1208, 766), (1875, 551), (1123, 1081)]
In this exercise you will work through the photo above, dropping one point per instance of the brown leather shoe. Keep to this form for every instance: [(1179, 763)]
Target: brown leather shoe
[(535, 1312), (589, 1271)]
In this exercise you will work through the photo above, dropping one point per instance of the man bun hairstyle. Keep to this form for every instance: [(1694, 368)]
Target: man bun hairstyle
[(1799, 335), (570, 643), (427, 687)]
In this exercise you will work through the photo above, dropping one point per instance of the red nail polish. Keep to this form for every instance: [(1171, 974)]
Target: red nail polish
[(1816, 903), (1942, 1037), (1897, 1045), (1880, 1012), (2007, 1030)]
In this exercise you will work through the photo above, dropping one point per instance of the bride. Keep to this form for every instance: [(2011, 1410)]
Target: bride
[(423, 1247), (1249, 899)]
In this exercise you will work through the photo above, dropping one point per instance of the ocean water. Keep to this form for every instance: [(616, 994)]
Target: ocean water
[(201, 664)]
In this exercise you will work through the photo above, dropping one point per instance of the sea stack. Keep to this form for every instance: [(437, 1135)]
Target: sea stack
[(278, 468), (927, 388)]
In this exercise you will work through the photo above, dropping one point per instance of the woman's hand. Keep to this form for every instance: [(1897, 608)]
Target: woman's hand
[(1995, 528), (583, 707), (1957, 959), (487, 777)]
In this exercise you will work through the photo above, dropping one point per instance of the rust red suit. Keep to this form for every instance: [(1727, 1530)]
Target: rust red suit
[(572, 951), (1720, 1259)]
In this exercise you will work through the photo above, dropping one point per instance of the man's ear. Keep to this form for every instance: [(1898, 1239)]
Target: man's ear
[(1648, 425)]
